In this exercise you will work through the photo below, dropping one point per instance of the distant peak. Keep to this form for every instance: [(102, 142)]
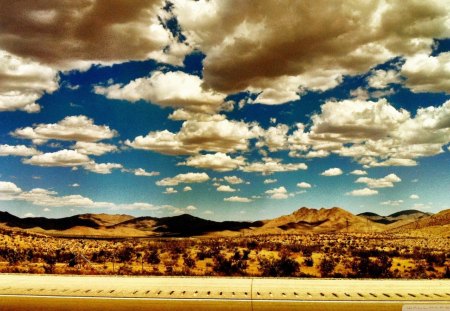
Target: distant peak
[(369, 214)]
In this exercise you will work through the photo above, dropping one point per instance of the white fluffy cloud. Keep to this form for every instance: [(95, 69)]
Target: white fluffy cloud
[(238, 199), (170, 190), (171, 89), (187, 188), (275, 138), (233, 180), (381, 79), (392, 202), (386, 181), (77, 128), (90, 148), (217, 135), (362, 192), (374, 133), (191, 208), (102, 168), (353, 120), (225, 188), (304, 185), (270, 181), (49, 198), (65, 158), (142, 172), (334, 171), (279, 193), (358, 172), (18, 150), (270, 166), (428, 73), (219, 161), (23, 82), (7, 187), (183, 178), (414, 197)]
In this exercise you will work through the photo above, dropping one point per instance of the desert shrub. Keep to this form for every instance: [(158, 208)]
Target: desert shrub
[(125, 254), (367, 268), (285, 266), (435, 259), (152, 257), (326, 266), (447, 273), (189, 262), (309, 262), (224, 266)]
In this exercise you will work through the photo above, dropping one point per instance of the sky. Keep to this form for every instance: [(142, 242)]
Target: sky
[(226, 110)]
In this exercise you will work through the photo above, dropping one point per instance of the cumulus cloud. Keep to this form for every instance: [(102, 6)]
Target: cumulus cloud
[(141, 172), (102, 168), (77, 128), (375, 133), (243, 42), (335, 171), (304, 185), (90, 148), (183, 178), (392, 202), (219, 161), (18, 150), (428, 73), (414, 197), (187, 188), (270, 181), (238, 199), (217, 135), (7, 187), (279, 193), (270, 166), (363, 192), (191, 208), (234, 180), (170, 190), (23, 82), (225, 188), (275, 138), (358, 172), (171, 89), (44, 197), (385, 182), (65, 158), (69, 35), (351, 120), (381, 79), (137, 206), (49, 198)]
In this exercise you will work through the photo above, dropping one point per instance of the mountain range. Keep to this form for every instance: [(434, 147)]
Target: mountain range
[(304, 221)]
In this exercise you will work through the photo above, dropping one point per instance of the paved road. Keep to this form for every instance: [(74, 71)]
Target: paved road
[(49, 292)]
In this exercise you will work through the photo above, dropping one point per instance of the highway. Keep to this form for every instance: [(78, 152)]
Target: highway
[(56, 292)]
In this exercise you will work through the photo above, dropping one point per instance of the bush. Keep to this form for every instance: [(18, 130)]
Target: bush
[(327, 266), (152, 257), (309, 262), (285, 266), (230, 266)]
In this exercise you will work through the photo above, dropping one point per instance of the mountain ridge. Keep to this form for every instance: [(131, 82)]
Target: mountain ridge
[(302, 220)]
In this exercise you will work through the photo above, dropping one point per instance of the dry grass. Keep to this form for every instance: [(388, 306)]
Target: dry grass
[(397, 256)]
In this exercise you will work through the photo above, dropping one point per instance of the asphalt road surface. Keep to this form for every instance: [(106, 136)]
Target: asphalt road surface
[(52, 292)]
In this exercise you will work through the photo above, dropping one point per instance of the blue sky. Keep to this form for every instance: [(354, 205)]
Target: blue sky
[(161, 109)]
